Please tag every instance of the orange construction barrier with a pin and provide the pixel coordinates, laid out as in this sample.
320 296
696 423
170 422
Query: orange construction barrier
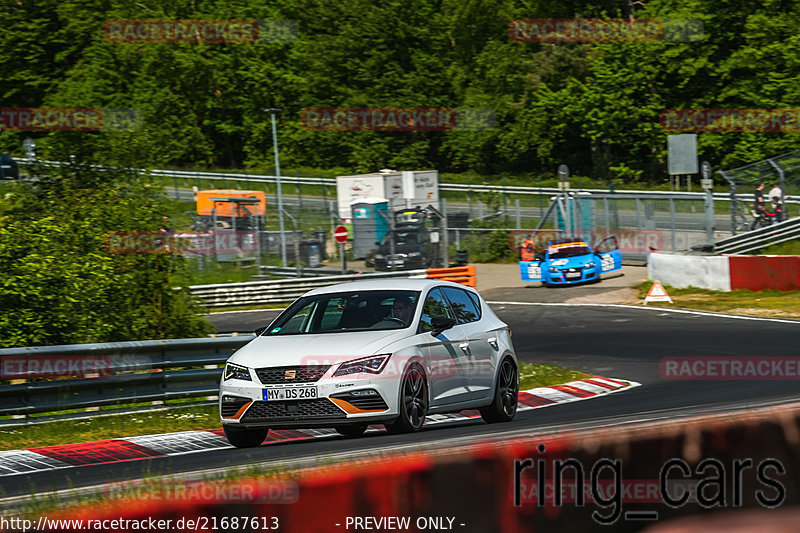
464 275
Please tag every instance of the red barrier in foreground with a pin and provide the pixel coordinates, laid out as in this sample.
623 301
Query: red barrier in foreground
758 273
628 477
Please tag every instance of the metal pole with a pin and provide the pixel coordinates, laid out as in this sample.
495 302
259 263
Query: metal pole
258 240
392 259
278 182
296 245
709 216
443 240
341 244
214 228
516 206
639 217
734 201
672 220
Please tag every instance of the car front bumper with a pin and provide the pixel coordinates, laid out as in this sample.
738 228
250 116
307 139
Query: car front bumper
357 399
563 277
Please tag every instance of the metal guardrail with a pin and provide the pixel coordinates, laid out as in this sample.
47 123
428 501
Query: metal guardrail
508 189
785 231
132 372
281 291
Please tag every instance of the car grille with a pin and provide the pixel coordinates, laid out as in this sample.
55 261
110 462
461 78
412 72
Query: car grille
262 411
302 374
370 403
232 405
365 403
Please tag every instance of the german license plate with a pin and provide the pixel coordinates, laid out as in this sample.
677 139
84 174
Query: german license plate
573 275
275 394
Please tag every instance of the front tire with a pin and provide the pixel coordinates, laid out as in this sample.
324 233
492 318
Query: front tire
506 395
351 431
413 402
243 437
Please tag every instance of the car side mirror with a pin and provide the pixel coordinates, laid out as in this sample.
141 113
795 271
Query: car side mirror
440 324
259 331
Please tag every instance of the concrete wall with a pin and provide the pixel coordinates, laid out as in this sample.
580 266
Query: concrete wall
710 272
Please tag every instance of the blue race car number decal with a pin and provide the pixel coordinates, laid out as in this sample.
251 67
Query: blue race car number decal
607 262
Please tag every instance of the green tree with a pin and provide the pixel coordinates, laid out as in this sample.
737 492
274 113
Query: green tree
58 282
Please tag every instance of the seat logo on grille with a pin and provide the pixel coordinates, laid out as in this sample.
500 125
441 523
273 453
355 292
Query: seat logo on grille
290 374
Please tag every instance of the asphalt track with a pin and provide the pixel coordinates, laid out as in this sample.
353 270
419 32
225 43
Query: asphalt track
619 342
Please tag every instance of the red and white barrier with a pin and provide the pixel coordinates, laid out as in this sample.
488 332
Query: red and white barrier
726 273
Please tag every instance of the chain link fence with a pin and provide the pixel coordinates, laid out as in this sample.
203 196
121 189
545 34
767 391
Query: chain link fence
782 170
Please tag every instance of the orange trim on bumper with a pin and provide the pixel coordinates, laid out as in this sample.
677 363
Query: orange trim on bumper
240 412
352 409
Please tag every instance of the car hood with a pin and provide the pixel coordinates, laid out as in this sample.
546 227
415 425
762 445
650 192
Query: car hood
573 262
314 349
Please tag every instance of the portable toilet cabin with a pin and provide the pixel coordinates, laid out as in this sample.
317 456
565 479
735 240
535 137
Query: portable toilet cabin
370 224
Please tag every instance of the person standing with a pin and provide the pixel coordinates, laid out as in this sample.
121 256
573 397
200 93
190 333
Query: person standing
527 251
776 214
758 197
776 192
759 212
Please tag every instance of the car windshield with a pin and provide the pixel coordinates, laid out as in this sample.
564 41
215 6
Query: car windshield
572 249
347 311
402 238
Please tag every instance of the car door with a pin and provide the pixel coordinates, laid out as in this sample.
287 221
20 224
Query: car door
530 270
481 351
608 252
444 353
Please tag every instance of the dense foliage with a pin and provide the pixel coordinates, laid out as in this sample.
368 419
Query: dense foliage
594 106
58 282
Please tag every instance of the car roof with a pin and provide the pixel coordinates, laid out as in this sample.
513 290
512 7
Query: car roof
403 284
578 242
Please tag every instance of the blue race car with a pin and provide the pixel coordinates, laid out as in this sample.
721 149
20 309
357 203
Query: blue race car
571 261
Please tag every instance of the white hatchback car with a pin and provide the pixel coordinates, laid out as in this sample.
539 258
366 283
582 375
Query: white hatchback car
369 352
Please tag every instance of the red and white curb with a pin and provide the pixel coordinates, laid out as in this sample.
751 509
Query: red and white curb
16 462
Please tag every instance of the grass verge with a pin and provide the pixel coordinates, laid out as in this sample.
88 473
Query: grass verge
201 417
740 302
532 375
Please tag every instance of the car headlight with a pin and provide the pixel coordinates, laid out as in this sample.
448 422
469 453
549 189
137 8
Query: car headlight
374 364
590 265
554 270
233 371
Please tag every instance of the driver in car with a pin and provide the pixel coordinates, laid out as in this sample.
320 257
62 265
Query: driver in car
402 309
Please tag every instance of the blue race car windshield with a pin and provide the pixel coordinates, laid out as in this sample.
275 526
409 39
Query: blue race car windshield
560 252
